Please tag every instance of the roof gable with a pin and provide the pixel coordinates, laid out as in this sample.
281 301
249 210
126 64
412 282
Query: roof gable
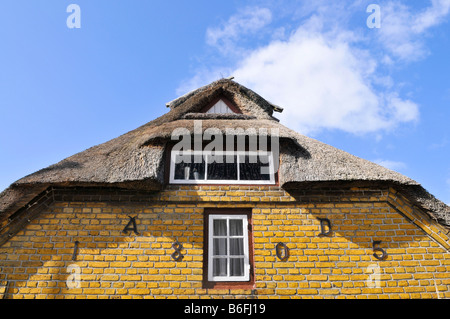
238 98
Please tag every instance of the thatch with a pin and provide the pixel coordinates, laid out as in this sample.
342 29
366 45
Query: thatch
137 158
214 116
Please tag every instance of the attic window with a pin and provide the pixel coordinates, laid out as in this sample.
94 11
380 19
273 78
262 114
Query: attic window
220 107
228 167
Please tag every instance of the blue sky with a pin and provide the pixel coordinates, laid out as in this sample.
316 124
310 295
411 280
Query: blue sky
382 94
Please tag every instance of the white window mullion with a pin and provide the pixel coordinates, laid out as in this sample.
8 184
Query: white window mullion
238 169
228 248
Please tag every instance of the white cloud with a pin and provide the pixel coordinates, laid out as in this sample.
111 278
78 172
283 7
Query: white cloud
319 72
322 82
246 22
401 110
392 165
431 16
401 31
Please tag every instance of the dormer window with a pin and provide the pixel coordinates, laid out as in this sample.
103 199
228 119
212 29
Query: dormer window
227 167
220 108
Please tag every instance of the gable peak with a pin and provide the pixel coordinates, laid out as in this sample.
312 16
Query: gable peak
235 96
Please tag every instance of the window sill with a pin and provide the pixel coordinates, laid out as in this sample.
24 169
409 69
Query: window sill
229 285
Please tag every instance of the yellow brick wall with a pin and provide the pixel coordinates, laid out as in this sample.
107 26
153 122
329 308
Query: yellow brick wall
37 261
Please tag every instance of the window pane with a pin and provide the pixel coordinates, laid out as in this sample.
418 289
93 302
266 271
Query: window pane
220 169
236 246
220 246
220 227
189 169
250 167
219 267
236 227
236 266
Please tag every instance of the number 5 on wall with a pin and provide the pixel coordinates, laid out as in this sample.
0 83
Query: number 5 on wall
376 249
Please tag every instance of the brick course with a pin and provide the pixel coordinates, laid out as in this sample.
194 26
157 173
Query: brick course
35 260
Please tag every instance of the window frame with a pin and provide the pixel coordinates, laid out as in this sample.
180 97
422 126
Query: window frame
241 284
228 256
238 154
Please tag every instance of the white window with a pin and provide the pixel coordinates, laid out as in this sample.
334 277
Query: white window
220 107
230 167
228 252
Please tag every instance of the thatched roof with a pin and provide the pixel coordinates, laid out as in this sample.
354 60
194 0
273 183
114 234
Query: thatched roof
137 158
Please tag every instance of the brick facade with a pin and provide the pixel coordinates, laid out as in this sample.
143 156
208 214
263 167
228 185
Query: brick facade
36 261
